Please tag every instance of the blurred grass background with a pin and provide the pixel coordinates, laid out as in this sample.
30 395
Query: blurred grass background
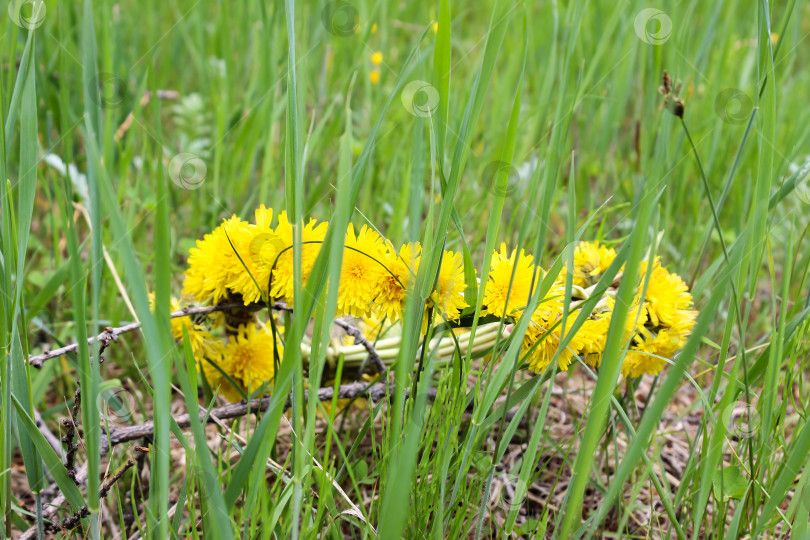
209 81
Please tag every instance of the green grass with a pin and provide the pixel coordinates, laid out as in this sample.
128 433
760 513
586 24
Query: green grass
276 103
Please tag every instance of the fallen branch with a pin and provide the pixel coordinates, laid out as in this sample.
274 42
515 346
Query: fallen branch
375 392
71 427
360 339
73 520
111 334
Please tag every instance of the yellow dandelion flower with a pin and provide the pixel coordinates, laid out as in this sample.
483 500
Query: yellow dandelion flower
376 58
361 271
393 283
448 297
542 337
667 297
374 76
648 353
204 345
213 263
590 262
594 333
312 236
596 327
263 217
257 247
651 346
501 284
250 358
177 323
210 368
213 368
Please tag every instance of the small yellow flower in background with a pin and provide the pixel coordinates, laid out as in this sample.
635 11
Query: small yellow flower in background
361 271
376 60
400 269
500 280
374 28
435 27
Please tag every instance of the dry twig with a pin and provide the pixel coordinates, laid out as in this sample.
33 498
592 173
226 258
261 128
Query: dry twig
73 520
375 392
360 339
111 334
70 425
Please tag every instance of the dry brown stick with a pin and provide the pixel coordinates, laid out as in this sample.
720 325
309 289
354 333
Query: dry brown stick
107 486
73 520
59 503
376 392
71 427
111 334
360 339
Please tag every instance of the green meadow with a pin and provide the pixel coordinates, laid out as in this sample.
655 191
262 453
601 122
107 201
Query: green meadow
670 131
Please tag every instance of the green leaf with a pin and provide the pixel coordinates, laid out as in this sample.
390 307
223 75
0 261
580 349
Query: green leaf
729 483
